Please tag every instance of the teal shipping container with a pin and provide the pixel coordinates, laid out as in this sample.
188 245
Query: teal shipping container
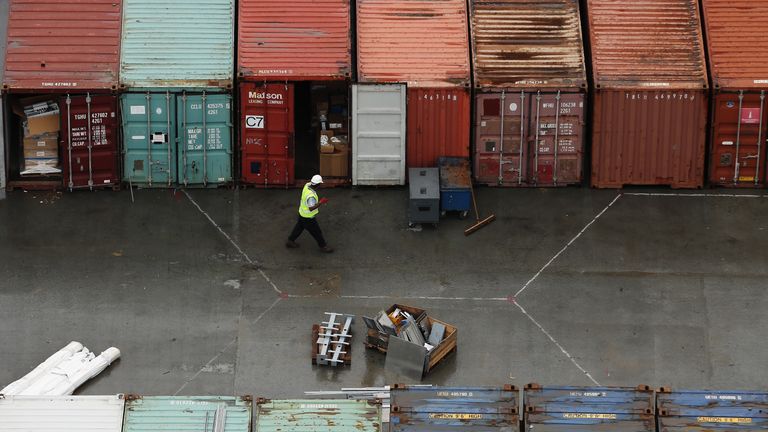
187 413
177 138
316 415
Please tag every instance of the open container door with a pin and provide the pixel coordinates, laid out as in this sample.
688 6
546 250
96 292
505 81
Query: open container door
378 134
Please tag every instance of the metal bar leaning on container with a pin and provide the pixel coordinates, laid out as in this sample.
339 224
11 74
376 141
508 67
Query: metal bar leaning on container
501 140
738 139
69 140
205 141
536 140
760 137
186 134
150 162
168 132
557 136
522 139
90 142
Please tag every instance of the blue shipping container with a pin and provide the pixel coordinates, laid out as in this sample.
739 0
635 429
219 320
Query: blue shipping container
428 408
699 410
559 409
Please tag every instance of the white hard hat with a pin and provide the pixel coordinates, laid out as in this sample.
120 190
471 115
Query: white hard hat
316 179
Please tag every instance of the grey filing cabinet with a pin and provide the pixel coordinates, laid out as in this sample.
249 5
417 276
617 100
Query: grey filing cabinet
424 201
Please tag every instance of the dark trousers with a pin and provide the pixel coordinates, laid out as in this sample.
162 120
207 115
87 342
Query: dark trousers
311 225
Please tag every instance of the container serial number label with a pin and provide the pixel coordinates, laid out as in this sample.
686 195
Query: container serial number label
589 416
455 394
455 416
724 419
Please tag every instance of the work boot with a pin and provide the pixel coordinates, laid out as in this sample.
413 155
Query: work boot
291 244
326 249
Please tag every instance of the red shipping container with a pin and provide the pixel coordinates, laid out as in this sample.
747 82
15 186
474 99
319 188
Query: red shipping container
63 45
267 134
437 125
88 141
650 95
738 58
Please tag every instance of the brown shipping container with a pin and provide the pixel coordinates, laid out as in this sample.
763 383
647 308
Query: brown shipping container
650 95
63 45
529 59
738 59
437 125
284 40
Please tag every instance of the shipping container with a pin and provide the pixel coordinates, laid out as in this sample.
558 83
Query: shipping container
190 413
701 410
431 408
51 59
317 414
738 61
650 93
174 138
529 59
294 65
3 43
424 45
61 413
564 409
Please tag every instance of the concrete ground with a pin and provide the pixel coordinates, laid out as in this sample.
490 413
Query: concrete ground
570 287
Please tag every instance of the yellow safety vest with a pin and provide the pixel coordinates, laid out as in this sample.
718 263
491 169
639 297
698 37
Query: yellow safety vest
304 205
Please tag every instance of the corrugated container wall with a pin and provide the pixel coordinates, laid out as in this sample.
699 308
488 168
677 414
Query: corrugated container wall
699 411
63 45
423 44
563 409
317 414
427 408
61 413
738 61
530 84
294 41
177 44
190 413
650 93
3 43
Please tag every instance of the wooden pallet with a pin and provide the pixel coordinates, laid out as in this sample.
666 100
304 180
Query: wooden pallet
345 358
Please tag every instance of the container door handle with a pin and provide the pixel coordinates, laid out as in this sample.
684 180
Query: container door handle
90 142
557 136
69 140
522 139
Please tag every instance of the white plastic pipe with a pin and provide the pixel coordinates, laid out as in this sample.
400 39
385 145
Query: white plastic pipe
41 370
88 370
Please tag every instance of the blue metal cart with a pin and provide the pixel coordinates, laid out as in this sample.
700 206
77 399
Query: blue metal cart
455 186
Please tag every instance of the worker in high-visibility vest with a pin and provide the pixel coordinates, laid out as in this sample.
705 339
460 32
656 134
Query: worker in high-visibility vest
308 209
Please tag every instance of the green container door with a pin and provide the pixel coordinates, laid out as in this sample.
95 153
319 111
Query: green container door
205 139
187 413
149 138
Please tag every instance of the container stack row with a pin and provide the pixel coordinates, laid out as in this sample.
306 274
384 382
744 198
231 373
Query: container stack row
535 93
413 408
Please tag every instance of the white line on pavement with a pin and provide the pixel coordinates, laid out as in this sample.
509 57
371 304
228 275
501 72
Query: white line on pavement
424 298
694 195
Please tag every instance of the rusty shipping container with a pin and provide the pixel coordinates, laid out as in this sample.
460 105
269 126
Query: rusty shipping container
59 51
651 93
738 61
530 85
423 45
294 65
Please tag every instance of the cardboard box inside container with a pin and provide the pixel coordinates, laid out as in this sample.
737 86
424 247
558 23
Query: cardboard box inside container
47 142
325 140
41 118
334 164
34 153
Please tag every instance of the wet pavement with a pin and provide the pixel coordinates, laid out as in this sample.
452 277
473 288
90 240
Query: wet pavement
572 286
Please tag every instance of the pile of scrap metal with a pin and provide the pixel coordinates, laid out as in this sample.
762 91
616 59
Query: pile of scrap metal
331 340
413 340
63 372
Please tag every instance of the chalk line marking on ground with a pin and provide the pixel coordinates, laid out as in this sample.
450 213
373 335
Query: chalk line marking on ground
694 195
223 350
239 250
554 341
567 245
406 297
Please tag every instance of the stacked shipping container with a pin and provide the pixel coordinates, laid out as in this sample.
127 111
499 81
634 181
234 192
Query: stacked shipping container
176 67
531 84
308 415
62 413
650 93
61 67
738 55
294 65
190 413
421 44
3 40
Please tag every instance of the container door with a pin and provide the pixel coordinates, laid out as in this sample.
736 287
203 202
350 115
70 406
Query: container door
378 134
558 157
205 139
2 149
149 137
88 141
501 127
267 134
738 144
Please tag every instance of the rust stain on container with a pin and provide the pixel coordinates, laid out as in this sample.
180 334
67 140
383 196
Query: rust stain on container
422 43
285 40
527 44
437 125
63 45
651 98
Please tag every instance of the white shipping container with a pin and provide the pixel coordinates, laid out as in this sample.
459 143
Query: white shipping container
61 413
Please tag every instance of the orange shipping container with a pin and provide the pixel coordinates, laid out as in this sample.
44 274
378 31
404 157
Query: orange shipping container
738 59
438 125
650 93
